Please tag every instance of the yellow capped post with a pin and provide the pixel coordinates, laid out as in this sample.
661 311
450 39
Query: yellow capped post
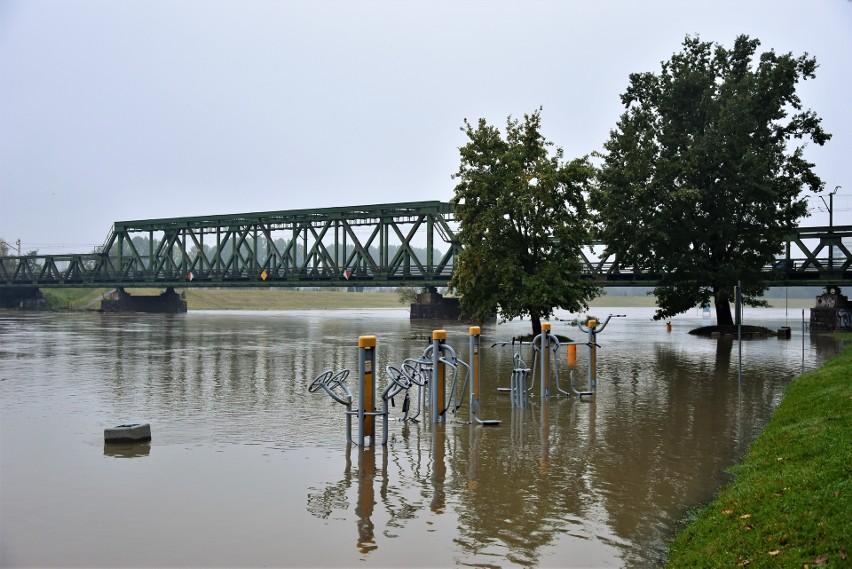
544 348
436 386
367 397
474 368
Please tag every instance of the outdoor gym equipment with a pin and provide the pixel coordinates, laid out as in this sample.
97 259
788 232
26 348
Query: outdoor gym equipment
545 343
593 328
418 370
443 357
518 389
333 384
474 383
429 370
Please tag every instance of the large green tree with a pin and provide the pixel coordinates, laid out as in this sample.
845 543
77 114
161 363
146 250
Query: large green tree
703 175
523 220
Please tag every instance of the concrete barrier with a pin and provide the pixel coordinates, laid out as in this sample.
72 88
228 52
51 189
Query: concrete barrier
133 433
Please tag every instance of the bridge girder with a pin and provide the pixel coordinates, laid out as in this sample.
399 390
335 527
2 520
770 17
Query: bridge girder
404 244
384 245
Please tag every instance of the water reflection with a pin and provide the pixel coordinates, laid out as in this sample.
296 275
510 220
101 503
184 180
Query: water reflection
558 482
127 450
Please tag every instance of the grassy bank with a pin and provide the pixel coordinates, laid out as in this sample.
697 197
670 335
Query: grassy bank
790 504
283 299
72 298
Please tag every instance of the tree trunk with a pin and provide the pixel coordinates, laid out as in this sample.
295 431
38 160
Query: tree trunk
536 324
723 312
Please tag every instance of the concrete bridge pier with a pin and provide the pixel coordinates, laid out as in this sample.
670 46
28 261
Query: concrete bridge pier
169 302
431 305
24 298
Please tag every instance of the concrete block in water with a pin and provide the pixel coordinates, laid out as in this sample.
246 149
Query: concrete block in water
134 433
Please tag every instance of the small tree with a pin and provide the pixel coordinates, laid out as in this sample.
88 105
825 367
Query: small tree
699 182
523 221
407 295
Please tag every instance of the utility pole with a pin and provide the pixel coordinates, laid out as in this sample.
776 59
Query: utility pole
830 206
17 246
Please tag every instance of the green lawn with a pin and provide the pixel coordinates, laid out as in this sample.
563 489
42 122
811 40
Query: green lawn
790 504
286 299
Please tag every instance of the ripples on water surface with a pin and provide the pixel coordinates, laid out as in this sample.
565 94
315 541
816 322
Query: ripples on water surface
246 468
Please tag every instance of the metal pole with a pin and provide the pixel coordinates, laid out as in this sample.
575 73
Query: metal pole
367 391
830 206
803 340
436 386
738 309
593 356
545 358
474 369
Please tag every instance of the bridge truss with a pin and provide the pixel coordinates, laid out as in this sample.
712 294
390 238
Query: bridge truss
387 245
377 245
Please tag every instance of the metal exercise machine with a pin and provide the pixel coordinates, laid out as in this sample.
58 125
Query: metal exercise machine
475 344
593 328
543 344
444 358
428 371
431 370
547 345
518 388
334 385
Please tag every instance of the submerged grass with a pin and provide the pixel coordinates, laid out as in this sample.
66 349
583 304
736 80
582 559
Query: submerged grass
790 504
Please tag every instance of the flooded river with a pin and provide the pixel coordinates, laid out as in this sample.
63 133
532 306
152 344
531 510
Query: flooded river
247 468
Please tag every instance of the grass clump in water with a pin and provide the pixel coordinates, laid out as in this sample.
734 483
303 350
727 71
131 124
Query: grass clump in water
790 504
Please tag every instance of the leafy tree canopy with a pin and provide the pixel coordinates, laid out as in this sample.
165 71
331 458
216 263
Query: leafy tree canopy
523 221
703 175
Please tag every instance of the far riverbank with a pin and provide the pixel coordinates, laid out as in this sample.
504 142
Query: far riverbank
322 299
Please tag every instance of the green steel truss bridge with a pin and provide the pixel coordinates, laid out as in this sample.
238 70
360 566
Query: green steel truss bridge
386 245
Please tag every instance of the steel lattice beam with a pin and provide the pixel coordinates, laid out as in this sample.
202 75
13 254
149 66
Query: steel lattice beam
402 244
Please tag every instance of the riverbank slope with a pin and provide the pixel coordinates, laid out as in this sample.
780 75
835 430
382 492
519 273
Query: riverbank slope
790 504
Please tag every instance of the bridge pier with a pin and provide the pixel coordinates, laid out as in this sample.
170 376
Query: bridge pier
832 312
169 302
431 305
23 298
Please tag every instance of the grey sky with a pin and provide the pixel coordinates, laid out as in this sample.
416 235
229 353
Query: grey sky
133 109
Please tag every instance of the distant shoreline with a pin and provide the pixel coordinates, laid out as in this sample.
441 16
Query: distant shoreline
288 299
322 299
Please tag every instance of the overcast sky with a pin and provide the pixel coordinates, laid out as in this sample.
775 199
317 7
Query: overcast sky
135 109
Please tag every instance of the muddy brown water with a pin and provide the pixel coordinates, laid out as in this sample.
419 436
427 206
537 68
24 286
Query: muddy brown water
247 468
